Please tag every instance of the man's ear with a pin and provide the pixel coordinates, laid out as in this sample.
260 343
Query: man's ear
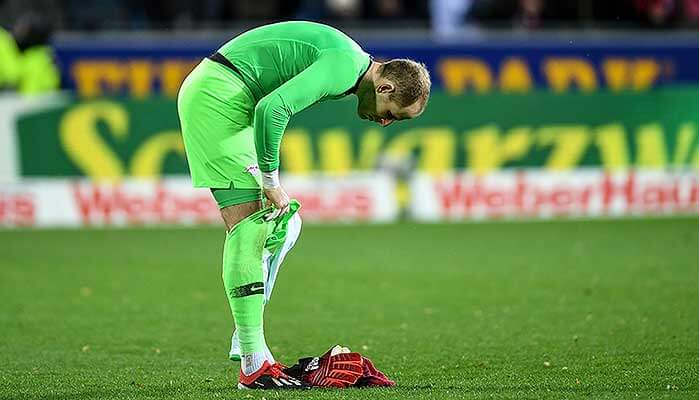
385 87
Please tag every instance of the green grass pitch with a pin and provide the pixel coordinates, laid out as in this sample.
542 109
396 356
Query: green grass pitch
559 310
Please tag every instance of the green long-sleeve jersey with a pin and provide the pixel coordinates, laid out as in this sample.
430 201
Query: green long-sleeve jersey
289 66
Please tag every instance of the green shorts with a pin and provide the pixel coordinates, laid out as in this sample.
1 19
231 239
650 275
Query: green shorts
216 113
232 197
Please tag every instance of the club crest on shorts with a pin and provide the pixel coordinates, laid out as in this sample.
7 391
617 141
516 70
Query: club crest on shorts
253 169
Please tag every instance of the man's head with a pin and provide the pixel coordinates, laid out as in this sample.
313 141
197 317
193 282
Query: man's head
397 89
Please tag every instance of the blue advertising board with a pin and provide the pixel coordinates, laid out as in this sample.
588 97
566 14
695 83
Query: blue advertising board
140 68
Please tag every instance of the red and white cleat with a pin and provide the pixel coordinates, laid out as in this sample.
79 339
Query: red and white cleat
270 377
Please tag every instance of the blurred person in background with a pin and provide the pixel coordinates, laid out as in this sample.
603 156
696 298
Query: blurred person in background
658 13
38 72
383 10
387 9
342 8
529 14
26 59
525 14
9 61
409 11
691 12
448 16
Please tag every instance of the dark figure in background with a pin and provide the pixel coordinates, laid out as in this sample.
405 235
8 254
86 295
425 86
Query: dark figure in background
529 14
658 13
525 14
39 73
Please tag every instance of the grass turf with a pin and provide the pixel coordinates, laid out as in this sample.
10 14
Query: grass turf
604 309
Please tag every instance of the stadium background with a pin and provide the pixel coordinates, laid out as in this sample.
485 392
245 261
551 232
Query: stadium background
540 110
550 118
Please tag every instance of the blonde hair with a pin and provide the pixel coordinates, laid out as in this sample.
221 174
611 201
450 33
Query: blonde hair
411 79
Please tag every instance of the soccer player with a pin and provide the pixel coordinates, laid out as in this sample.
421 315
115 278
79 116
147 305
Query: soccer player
233 109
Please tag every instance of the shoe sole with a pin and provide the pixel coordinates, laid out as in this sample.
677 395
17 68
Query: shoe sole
243 387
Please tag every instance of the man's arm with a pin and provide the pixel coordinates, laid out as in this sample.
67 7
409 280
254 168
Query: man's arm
331 74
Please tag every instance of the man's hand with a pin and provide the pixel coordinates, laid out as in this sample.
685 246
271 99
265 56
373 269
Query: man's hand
275 193
279 199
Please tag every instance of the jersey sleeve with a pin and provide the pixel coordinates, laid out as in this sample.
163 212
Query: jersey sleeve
330 75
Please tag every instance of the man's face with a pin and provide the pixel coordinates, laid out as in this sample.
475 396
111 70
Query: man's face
375 105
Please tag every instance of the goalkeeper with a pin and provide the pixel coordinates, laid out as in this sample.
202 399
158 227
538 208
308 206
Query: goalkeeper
233 109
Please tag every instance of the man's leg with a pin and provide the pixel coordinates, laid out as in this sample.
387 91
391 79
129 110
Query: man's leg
215 109
271 263
243 274
232 213
243 278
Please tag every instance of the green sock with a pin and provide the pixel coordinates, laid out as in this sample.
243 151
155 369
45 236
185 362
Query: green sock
243 279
